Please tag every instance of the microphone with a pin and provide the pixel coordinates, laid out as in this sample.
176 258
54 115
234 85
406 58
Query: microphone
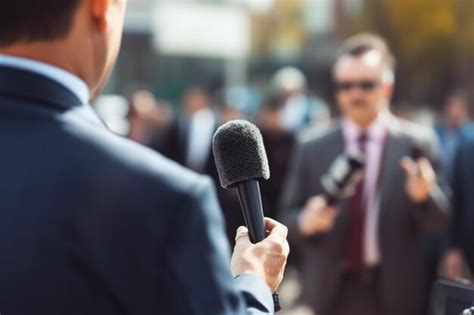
342 178
417 150
241 161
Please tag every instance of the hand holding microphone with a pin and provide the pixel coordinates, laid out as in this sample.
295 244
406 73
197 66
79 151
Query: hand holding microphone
265 259
241 161
317 216
421 178
340 181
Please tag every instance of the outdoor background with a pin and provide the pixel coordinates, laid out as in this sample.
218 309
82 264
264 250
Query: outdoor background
170 44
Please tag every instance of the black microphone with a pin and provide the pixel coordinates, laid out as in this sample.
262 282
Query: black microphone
342 178
241 161
417 150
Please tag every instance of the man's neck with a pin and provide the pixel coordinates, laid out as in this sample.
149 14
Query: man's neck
65 78
56 54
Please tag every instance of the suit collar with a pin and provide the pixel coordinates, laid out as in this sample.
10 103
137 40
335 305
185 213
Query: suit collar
60 75
33 87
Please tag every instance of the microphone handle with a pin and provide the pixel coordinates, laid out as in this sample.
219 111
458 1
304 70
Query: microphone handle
251 203
252 209
331 200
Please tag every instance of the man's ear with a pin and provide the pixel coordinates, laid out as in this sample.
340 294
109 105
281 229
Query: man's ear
99 10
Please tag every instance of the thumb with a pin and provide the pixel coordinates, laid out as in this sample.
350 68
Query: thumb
242 236
426 169
410 166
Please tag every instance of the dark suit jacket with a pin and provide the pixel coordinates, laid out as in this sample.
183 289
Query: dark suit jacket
401 222
175 146
462 229
91 223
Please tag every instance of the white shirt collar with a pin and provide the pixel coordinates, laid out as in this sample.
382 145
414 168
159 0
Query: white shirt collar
70 81
375 131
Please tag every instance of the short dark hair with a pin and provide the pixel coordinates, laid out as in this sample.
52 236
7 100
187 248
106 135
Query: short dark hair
35 20
360 44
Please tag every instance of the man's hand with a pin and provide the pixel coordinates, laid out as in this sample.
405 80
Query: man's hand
452 264
421 178
317 217
266 259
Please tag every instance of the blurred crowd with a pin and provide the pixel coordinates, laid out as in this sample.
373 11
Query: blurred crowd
409 222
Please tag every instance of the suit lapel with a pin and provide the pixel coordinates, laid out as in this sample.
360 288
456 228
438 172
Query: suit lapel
395 149
336 139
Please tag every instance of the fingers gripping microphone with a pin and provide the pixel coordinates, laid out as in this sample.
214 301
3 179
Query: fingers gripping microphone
241 161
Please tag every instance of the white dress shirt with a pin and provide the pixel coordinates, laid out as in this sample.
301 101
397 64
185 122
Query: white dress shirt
201 130
376 135
70 81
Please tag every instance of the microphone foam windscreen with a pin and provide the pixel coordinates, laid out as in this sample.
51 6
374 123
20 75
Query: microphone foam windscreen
239 153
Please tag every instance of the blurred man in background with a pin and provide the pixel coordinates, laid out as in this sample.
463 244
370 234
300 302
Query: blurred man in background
461 234
452 130
188 140
148 118
297 109
364 255
92 223
278 144
456 115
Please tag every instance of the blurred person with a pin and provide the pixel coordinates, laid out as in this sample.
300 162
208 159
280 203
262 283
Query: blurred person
278 144
228 113
188 141
451 132
90 222
458 259
364 255
243 101
298 108
147 117
456 115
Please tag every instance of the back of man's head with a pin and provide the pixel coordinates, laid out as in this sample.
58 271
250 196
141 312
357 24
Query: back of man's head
35 20
79 36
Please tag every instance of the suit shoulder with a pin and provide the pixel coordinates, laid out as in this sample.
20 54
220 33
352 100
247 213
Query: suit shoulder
126 161
415 131
318 136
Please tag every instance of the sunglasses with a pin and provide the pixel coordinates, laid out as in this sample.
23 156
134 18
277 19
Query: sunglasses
364 85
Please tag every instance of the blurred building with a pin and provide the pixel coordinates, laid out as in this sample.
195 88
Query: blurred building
169 45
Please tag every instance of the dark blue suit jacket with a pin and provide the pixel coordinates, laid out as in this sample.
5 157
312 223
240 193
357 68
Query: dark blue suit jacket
462 228
91 223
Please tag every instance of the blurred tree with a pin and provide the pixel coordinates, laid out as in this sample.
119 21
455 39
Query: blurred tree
433 41
281 32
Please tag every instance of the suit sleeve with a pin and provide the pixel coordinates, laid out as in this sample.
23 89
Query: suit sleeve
295 193
456 231
434 214
200 258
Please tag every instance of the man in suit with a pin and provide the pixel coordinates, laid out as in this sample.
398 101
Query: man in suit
91 223
451 130
460 247
364 255
188 141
